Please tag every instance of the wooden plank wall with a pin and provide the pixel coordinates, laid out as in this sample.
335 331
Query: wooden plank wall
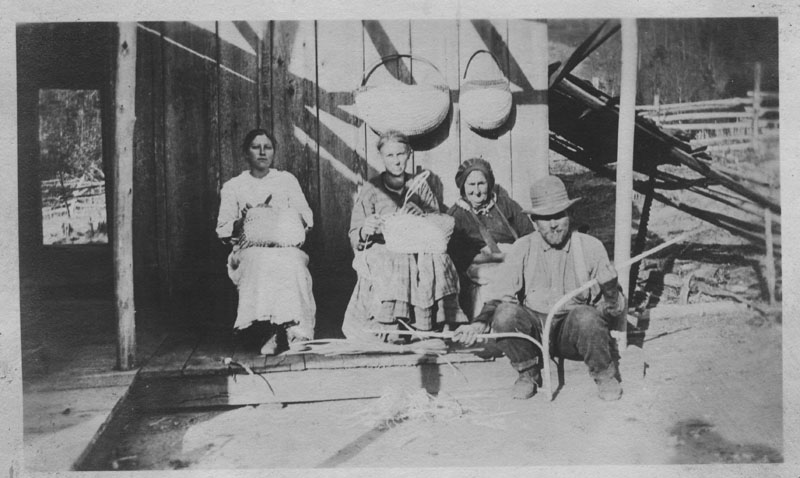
496 147
340 135
239 112
196 98
204 85
438 41
148 193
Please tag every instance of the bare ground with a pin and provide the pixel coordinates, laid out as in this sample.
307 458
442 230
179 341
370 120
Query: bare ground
699 389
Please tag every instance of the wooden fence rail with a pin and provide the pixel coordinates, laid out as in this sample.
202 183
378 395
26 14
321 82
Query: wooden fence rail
729 124
696 105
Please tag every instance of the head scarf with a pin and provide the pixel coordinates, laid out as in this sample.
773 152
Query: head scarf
474 164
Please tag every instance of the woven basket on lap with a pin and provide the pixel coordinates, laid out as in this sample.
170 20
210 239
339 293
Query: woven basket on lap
485 104
410 234
273 227
397 106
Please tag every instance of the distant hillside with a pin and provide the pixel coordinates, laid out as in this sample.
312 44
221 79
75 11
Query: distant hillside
681 59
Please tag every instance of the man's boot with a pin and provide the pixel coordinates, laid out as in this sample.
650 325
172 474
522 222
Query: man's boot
527 383
608 387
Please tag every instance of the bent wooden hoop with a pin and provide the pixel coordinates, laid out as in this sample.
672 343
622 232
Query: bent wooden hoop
544 346
547 382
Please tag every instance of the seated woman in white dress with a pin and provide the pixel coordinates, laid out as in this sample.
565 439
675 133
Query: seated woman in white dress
419 288
266 264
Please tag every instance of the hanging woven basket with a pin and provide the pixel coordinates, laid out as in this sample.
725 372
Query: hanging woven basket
409 234
485 104
397 106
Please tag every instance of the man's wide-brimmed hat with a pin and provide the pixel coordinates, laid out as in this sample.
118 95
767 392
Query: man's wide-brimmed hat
548 197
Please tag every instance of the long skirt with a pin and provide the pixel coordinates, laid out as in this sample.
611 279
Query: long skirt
421 289
274 285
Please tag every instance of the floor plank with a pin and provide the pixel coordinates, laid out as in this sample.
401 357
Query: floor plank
283 363
315 361
210 354
171 356
319 385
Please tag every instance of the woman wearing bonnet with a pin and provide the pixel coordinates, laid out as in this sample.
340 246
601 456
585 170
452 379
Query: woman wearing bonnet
486 223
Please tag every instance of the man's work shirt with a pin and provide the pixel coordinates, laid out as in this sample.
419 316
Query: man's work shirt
540 275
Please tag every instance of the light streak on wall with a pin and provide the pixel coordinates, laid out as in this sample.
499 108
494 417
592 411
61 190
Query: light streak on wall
340 167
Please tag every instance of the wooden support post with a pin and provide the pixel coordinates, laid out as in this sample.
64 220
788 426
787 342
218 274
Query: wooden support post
756 107
539 164
641 235
526 66
627 124
657 105
770 256
122 239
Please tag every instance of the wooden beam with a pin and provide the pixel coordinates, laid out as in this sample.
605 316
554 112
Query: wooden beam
122 239
756 106
530 136
703 115
677 150
540 163
696 105
770 256
641 235
316 385
714 218
708 126
625 135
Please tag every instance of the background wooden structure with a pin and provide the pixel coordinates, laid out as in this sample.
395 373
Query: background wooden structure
723 126
201 86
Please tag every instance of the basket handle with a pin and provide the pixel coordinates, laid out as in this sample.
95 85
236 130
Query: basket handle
476 54
384 59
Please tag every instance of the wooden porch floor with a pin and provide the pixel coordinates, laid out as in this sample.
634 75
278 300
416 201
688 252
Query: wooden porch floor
213 369
205 353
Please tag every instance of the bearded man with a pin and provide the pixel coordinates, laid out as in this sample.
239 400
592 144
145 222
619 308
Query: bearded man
541 268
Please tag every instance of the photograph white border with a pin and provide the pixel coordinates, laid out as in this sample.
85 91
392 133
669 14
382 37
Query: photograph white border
14 11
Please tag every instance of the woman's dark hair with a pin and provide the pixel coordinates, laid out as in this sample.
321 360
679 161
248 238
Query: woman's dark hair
395 136
253 134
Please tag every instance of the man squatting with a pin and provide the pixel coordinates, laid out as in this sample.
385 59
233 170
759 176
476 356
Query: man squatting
541 268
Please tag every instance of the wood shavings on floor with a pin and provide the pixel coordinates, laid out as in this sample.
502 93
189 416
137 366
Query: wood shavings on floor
397 406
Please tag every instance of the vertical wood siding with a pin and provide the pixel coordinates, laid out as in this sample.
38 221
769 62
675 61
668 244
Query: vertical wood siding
205 85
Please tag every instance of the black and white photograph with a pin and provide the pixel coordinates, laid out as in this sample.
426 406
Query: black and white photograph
409 240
